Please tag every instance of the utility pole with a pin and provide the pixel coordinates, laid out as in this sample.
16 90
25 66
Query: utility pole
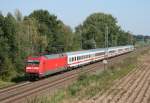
81 41
105 61
106 39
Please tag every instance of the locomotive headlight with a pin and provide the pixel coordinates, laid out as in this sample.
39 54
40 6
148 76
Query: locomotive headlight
28 68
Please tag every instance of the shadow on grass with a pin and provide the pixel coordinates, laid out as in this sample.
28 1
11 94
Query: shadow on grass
21 78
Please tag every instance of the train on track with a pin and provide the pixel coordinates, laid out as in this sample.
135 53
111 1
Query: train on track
41 66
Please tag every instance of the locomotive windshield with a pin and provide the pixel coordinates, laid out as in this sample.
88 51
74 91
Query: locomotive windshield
33 63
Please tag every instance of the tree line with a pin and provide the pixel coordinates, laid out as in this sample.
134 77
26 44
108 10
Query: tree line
40 31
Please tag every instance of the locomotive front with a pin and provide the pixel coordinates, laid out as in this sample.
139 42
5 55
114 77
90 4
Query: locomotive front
33 67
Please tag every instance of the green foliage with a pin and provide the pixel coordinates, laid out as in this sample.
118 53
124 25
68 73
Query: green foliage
9 29
57 33
93 31
8 70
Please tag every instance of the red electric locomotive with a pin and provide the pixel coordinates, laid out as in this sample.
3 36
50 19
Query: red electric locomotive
44 65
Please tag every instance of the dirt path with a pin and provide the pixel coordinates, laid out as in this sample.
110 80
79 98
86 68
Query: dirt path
133 88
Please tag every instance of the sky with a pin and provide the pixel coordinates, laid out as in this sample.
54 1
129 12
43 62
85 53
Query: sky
132 15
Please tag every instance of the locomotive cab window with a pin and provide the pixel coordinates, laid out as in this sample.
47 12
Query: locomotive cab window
33 63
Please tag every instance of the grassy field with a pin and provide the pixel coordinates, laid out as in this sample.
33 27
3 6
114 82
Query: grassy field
5 84
88 85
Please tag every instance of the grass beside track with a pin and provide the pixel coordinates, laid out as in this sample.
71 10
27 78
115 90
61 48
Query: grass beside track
5 84
88 85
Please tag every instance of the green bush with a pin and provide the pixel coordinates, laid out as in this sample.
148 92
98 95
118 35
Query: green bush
8 70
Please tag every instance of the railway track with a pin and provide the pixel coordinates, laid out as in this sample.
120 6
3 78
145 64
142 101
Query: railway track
24 90
21 92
